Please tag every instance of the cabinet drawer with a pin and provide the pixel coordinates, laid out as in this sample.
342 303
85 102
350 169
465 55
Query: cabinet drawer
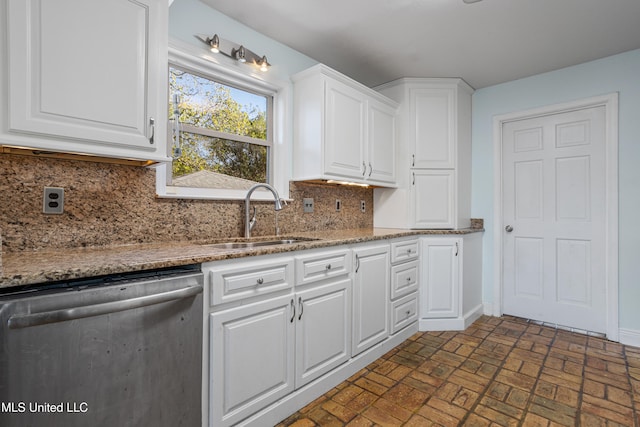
404 251
404 279
404 311
322 265
249 279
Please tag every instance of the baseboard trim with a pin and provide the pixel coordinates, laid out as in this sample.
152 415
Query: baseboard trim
629 337
454 324
291 403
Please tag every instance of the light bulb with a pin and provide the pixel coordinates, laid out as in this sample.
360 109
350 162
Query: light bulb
214 44
264 65
240 54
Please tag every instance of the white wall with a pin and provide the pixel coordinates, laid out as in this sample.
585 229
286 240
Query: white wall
619 73
190 17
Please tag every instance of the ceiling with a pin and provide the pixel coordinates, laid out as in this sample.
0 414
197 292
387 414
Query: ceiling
485 43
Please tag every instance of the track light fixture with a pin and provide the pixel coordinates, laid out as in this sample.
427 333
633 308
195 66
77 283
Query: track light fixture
235 51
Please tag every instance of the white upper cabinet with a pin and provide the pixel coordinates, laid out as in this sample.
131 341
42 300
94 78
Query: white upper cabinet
345 132
342 130
86 76
434 152
381 153
433 123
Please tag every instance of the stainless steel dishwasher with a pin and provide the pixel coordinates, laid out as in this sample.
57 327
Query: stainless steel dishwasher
115 351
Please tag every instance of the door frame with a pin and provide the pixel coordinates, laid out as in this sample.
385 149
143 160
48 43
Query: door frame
610 103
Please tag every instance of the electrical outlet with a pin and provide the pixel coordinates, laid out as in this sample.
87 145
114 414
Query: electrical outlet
363 206
338 205
53 200
307 205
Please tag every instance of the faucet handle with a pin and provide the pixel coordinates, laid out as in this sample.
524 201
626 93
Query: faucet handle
252 222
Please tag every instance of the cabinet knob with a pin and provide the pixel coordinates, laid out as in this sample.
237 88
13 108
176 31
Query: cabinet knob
408 313
409 251
508 229
327 267
408 279
260 281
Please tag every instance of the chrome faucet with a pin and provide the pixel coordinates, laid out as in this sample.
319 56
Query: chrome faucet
250 223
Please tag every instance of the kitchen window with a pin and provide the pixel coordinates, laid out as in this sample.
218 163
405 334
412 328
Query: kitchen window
221 134
226 130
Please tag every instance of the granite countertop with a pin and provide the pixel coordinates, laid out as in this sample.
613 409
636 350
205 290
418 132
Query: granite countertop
26 268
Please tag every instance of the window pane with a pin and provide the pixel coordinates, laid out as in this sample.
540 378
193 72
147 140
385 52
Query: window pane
206 103
208 162
225 158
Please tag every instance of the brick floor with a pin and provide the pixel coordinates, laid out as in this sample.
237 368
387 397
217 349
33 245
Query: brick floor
499 372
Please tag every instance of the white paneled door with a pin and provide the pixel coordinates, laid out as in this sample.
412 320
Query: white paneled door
554 218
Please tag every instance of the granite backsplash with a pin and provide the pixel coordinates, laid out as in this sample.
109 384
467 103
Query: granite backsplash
113 204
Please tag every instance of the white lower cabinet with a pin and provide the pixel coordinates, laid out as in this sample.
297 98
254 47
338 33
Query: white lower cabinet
283 329
323 329
405 256
451 285
267 337
441 277
370 296
251 358
263 351
404 311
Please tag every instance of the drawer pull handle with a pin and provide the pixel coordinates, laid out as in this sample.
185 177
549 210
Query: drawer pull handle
327 267
260 281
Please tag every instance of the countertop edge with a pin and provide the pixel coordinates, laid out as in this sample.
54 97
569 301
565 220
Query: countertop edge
29 268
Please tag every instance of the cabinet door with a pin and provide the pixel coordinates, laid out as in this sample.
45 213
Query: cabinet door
381 147
440 278
323 329
88 71
370 297
251 358
345 132
433 126
432 200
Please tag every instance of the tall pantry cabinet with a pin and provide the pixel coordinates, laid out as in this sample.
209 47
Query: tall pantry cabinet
434 156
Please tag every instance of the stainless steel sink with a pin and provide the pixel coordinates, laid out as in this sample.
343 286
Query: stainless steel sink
249 245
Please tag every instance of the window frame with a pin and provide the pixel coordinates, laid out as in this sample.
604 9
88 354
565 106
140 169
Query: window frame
228 72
